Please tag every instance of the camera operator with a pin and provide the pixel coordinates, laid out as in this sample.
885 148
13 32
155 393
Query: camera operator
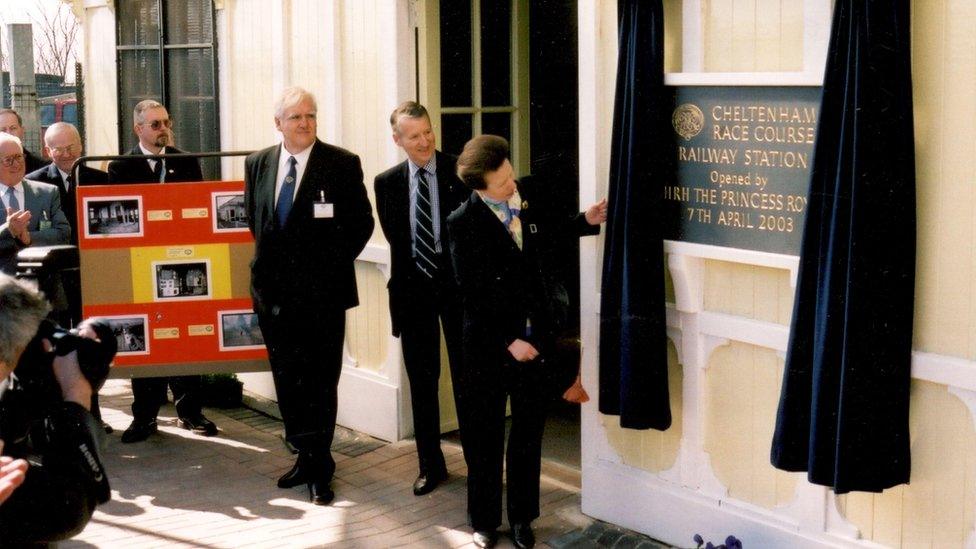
55 433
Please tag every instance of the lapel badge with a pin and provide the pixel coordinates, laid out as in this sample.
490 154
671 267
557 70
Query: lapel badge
532 228
525 204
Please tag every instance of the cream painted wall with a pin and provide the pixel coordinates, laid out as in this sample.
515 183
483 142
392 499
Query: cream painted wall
938 508
651 450
743 384
753 35
944 71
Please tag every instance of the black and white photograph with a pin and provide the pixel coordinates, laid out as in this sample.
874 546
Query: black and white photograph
239 330
130 333
115 217
181 280
229 215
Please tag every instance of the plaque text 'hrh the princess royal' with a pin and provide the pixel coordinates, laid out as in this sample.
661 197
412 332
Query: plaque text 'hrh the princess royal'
744 156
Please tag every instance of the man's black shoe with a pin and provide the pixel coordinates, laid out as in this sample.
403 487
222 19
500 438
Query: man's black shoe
108 428
199 425
485 538
139 430
522 535
426 482
296 476
319 493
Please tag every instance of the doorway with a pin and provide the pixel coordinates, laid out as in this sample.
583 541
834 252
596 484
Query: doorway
510 67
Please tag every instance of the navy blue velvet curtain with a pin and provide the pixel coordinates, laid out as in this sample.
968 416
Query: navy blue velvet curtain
633 345
843 410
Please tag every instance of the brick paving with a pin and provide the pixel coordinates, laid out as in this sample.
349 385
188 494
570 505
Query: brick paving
178 489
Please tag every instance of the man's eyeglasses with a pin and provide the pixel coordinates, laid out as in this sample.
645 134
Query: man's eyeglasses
67 149
9 161
157 125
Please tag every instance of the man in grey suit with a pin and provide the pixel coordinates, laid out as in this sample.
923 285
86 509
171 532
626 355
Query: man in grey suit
31 213
310 216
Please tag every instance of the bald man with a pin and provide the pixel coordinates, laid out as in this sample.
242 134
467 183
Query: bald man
62 143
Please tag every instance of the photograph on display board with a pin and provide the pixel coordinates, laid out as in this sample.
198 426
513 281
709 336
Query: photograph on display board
130 333
113 217
181 280
239 330
229 215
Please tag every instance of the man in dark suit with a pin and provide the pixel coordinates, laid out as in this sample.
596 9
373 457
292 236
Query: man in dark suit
62 143
310 216
10 122
413 200
513 308
30 212
151 124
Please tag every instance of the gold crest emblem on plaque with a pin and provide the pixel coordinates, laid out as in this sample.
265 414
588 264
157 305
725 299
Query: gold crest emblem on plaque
688 120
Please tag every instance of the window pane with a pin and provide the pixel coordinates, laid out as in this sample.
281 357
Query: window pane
456 130
189 22
193 104
455 53
496 53
69 113
47 115
138 80
138 22
498 123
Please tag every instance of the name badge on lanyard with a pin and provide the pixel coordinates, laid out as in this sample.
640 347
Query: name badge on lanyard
322 209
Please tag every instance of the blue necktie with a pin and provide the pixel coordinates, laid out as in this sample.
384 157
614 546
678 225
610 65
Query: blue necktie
287 196
12 199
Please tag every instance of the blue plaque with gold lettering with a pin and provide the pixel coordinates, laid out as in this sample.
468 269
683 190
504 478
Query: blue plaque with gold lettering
743 158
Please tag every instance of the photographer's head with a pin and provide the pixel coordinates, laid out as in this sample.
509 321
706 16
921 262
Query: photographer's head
22 308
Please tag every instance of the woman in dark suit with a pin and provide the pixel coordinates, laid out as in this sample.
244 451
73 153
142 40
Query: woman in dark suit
512 311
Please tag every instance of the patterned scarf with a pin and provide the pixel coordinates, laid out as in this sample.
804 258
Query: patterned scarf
508 213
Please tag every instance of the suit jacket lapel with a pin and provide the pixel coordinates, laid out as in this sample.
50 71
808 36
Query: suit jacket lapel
267 179
316 166
401 197
491 223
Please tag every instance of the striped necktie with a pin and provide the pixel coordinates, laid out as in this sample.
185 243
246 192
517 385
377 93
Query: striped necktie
424 244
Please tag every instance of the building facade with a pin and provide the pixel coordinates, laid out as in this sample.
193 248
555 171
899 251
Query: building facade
476 65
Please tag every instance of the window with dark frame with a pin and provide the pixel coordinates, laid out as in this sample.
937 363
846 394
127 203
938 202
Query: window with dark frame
166 50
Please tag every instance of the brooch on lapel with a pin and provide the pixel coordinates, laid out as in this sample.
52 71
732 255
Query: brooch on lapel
532 228
525 204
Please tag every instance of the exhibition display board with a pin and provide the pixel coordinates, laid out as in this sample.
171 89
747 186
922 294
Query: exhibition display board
168 266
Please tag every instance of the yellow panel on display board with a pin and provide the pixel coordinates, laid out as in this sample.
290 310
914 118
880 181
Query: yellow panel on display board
151 265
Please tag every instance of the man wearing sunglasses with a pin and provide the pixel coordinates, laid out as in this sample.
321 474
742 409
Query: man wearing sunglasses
151 124
30 212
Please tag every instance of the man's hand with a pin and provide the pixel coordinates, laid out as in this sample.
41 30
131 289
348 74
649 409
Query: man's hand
522 350
597 213
17 221
74 387
12 473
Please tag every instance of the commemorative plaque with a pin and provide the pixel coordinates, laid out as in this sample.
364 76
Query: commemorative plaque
744 156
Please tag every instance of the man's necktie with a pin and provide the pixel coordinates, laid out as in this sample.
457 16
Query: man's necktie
287 196
12 199
69 183
158 172
424 242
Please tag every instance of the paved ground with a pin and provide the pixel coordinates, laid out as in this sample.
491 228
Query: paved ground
181 490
